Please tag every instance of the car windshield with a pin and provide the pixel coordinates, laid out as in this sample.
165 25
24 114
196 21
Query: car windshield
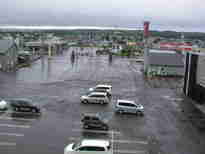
75 145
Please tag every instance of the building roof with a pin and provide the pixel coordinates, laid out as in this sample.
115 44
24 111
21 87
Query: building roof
165 58
5 45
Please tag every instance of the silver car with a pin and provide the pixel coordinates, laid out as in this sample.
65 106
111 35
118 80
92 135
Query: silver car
95 97
125 106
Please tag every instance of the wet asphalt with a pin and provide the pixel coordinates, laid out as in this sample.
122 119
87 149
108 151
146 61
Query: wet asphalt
56 84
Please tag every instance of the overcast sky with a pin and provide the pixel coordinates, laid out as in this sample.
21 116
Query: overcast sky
167 14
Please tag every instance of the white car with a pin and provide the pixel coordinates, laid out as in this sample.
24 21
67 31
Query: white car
89 146
95 97
126 106
3 105
108 88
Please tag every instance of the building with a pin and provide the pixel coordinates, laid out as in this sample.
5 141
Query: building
176 46
164 63
194 78
8 55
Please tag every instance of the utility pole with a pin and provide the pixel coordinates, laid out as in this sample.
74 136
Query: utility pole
146 47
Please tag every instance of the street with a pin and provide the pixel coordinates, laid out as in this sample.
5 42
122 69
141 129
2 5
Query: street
56 84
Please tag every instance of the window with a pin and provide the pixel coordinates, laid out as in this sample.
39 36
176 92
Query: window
86 118
82 149
89 148
95 118
123 104
100 96
131 105
93 96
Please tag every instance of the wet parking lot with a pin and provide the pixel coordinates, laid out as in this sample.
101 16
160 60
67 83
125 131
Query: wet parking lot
56 84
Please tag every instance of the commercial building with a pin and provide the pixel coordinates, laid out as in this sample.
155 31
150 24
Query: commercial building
194 79
164 63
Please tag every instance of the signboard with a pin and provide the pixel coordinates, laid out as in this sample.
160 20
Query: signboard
165 71
200 79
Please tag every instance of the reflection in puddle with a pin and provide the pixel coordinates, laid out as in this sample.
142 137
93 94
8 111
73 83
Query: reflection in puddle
110 59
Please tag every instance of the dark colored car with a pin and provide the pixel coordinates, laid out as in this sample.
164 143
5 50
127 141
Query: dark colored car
91 120
24 105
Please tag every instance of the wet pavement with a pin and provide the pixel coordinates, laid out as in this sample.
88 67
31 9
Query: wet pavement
56 84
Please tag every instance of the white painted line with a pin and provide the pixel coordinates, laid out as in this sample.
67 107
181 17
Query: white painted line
7 144
172 98
129 151
14 126
95 131
10 118
77 123
11 134
116 141
130 141
25 113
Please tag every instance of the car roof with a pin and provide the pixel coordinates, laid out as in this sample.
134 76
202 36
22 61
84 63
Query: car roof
92 142
90 114
98 93
125 101
103 85
22 99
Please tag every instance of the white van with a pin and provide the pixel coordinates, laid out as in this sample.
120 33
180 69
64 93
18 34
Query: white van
125 106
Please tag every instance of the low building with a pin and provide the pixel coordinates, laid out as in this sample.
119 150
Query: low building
164 63
194 78
8 55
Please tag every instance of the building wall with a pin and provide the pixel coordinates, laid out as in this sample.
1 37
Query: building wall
165 70
192 87
163 63
8 60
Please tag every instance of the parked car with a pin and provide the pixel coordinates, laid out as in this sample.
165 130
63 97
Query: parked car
89 146
95 97
3 105
24 105
100 90
108 88
91 120
125 106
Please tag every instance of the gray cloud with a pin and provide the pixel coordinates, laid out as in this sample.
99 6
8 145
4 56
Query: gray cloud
124 13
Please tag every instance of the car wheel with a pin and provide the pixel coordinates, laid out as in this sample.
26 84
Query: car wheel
120 111
141 114
85 101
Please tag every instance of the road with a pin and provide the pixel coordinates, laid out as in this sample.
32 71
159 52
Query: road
57 84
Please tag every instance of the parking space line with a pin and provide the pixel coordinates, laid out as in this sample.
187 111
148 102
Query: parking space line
25 113
14 126
117 141
77 123
130 152
130 141
11 134
96 131
7 144
11 118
